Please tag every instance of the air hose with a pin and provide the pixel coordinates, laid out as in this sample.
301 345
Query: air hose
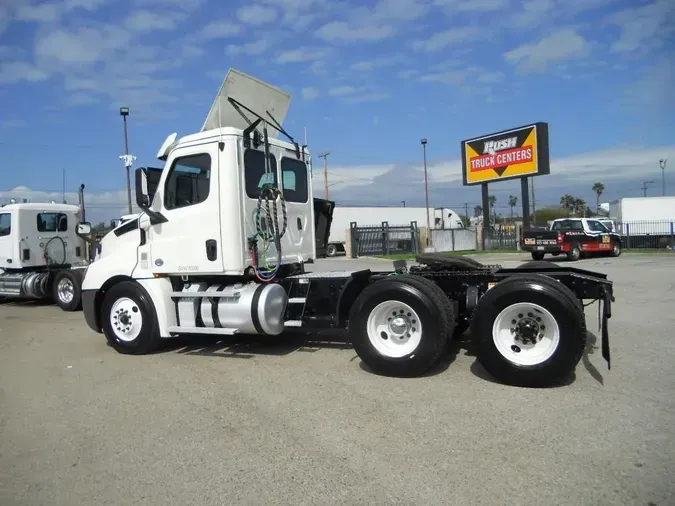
48 259
267 229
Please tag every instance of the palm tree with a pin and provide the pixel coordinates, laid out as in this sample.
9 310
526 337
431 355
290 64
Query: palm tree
599 189
579 206
492 199
513 202
477 211
567 202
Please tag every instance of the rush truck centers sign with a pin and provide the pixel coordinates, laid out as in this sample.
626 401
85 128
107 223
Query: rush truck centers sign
509 154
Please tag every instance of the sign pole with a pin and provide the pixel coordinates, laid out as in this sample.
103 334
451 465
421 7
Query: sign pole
486 213
525 199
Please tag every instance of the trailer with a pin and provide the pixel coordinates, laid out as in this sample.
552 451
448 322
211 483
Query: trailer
440 218
228 227
43 253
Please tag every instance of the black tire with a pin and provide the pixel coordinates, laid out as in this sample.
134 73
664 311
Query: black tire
445 261
431 305
137 304
331 250
616 248
537 264
538 255
67 290
574 253
565 309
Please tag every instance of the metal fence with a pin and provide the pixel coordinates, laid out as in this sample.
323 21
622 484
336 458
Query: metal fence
456 239
384 239
647 234
501 238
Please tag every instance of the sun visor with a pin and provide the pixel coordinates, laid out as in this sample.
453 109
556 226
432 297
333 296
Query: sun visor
254 94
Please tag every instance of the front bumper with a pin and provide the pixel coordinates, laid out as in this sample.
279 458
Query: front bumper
89 309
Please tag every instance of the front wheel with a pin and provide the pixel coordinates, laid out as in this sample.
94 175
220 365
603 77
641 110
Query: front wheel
616 249
129 319
400 325
529 330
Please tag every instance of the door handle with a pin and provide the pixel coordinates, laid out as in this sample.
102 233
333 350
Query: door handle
211 250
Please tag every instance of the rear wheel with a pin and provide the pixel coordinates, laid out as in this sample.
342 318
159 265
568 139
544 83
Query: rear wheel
574 253
529 330
129 319
400 325
331 250
67 290
538 255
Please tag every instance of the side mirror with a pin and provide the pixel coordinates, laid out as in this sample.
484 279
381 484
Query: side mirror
143 197
83 228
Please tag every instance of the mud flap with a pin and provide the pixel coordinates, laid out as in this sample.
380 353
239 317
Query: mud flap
606 315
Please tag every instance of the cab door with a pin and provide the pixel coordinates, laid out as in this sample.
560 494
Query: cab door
295 188
189 241
7 243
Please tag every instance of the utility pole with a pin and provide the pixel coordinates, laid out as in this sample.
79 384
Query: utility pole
128 159
325 173
63 187
645 184
662 163
426 189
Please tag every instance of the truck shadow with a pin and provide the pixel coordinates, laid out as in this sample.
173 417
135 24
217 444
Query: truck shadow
247 347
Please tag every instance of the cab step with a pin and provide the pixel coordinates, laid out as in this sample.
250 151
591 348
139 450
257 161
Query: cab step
203 330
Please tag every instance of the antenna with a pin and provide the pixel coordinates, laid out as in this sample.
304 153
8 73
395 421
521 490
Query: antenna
325 173
645 184
63 188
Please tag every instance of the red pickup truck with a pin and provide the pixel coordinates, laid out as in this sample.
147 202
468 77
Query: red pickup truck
573 237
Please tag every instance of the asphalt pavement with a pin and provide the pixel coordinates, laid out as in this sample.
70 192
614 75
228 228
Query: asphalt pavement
302 422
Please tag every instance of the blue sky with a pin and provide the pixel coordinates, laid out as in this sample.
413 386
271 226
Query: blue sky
368 79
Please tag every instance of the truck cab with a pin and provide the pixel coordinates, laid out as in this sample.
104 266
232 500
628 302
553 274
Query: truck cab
42 251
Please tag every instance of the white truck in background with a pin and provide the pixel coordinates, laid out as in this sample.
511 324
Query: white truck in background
368 216
43 252
645 222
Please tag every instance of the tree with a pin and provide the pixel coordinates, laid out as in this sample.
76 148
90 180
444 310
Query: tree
465 220
477 211
492 199
546 214
599 189
513 202
579 206
567 202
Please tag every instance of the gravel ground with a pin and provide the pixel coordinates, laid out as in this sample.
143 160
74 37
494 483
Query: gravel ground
301 422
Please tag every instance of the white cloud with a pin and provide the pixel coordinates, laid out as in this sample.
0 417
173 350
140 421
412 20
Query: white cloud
251 48
220 30
143 21
341 91
563 45
300 55
644 28
309 93
340 31
450 37
473 5
39 13
380 62
13 72
256 14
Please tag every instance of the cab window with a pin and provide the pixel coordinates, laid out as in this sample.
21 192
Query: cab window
188 182
256 176
5 224
294 180
52 222
596 226
567 225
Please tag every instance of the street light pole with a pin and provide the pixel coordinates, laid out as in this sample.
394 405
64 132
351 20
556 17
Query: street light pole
325 173
426 189
128 159
662 163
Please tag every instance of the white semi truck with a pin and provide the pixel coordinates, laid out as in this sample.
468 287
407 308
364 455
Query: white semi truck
43 252
228 226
